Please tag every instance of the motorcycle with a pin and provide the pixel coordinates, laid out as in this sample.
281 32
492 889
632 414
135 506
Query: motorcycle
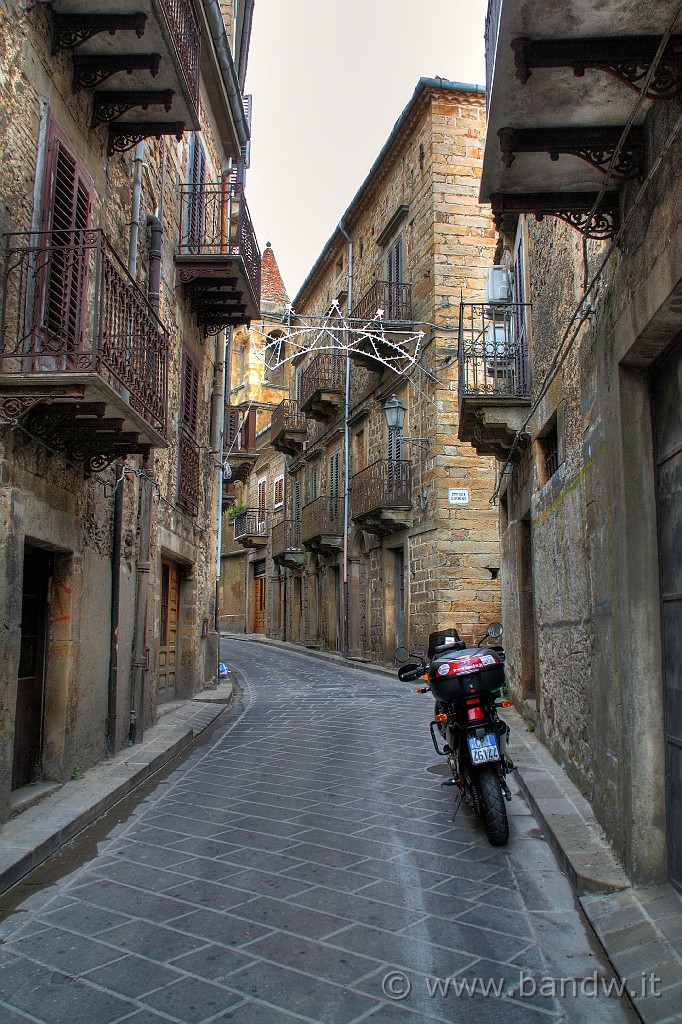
466 683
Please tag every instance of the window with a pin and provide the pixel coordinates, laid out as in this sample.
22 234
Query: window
335 474
262 499
66 213
314 483
394 277
550 447
274 355
296 501
279 491
519 323
190 393
195 212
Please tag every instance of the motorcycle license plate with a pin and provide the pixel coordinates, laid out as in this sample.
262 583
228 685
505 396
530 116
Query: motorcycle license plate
483 750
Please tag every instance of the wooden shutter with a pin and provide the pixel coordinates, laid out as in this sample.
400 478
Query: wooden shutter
394 264
190 393
279 491
519 312
359 451
67 199
196 199
262 498
296 501
314 483
335 474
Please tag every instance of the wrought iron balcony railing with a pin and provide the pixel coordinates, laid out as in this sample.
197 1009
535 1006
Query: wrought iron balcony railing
325 373
250 523
287 416
286 538
393 298
492 350
69 306
189 475
383 485
215 224
492 22
322 517
183 24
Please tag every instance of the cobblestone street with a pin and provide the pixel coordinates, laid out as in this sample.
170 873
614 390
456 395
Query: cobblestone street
302 864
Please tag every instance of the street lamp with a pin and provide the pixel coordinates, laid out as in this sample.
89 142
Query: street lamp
394 411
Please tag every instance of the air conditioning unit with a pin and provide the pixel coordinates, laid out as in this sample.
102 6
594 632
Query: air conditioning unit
497 286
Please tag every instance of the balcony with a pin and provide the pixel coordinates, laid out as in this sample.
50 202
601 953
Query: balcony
382 496
189 475
251 529
322 525
287 547
323 387
389 302
83 356
218 258
494 393
239 445
560 89
288 428
149 61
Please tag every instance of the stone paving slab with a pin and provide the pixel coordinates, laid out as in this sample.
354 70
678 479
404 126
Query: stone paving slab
34 835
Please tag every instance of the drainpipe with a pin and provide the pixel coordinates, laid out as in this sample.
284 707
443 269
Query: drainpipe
115 605
144 519
346 475
223 51
135 209
220 375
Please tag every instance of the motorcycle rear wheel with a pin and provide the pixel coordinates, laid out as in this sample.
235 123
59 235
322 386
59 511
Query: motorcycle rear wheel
494 813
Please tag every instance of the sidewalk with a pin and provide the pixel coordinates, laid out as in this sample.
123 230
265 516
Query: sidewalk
639 927
34 835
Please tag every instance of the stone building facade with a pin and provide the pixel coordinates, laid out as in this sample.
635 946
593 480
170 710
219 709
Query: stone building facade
589 439
125 242
250 582
410 561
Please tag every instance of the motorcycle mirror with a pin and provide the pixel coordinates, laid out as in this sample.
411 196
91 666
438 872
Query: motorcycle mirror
407 673
401 654
495 630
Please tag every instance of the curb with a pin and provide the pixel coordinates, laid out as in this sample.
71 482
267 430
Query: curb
28 839
328 656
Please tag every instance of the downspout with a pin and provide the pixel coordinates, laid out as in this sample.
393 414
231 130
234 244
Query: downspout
117 524
223 51
144 519
217 448
346 474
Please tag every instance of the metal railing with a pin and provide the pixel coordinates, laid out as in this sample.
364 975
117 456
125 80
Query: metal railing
393 298
322 517
325 373
189 475
215 221
286 536
183 25
250 523
492 351
385 484
287 416
492 23
69 305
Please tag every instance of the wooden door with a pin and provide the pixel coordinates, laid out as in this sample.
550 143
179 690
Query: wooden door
667 416
168 632
259 599
28 722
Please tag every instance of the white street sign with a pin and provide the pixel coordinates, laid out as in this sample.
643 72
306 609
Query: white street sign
458 496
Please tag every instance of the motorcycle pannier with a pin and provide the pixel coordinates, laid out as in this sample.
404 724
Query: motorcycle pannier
466 673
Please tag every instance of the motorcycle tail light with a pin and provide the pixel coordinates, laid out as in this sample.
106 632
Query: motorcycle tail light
467 663
475 714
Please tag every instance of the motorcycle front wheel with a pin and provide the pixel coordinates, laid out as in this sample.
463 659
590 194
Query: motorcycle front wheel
493 811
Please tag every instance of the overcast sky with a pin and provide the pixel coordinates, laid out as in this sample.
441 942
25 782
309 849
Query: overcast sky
329 80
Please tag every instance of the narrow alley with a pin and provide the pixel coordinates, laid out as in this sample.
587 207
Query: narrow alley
303 864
